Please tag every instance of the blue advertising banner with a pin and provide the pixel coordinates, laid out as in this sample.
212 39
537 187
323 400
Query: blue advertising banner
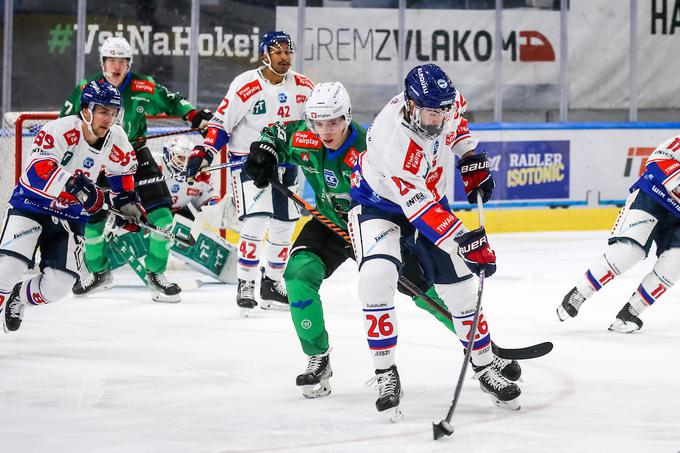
525 170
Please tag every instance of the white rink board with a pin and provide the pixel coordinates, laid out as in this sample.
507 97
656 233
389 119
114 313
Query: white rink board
117 373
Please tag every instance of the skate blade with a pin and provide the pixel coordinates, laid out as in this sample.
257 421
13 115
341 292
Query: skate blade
99 289
562 314
323 388
162 298
245 312
393 414
619 326
512 405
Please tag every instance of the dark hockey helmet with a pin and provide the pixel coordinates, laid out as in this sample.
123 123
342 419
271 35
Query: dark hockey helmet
431 90
100 92
274 38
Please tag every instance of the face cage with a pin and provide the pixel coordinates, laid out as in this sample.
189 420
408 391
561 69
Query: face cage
429 131
171 160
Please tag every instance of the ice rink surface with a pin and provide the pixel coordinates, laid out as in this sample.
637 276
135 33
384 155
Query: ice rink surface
116 372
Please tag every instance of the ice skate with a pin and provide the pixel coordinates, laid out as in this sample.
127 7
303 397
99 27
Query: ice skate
626 321
503 393
162 289
315 380
245 297
510 369
97 281
389 392
272 291
14 310
570 304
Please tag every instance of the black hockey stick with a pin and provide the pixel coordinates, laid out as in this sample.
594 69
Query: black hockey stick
444 427
529 352
183 175
189 242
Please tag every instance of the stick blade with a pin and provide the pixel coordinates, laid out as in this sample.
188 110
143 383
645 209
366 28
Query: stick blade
441 429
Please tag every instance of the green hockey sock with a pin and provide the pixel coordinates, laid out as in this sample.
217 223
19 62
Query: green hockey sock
159 246
435 297
95 247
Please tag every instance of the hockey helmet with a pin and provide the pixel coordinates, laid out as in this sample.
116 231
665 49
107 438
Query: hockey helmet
432 91
176 154
273 38
328 100
100 92
115 47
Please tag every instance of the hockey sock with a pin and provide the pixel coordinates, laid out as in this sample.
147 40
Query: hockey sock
617 259
665 274
432 292
252 233
159 246
377 287
303 276
461 298
278 246
95 247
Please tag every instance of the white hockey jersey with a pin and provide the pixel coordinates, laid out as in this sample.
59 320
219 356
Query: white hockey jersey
198 192
60 151
402 172
251 104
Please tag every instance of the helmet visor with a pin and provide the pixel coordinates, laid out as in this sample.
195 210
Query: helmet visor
431 121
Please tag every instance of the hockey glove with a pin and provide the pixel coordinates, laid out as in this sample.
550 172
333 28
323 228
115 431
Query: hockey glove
476 174
261 163
473 247
199 119
84 191
130 207
201 156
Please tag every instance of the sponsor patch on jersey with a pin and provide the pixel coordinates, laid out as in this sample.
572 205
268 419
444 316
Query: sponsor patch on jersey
413 157
450 138
306 139
72 137
88 162
248 90
144 86
303 81
304 156
433 178
45 168
351 157
439 219
330 178
116 154
193 192
259 108
174 188
282 97
300 99
668 166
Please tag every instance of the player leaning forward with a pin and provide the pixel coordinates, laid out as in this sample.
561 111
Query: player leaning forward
651 216
400 183
141 96
56 195
256 99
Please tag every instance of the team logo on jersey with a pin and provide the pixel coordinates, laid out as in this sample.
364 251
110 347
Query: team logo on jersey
303 81
174 188
282 97
304 156
72 137
259 108
300 99
143 85
330 178
306 139
248 90
88 162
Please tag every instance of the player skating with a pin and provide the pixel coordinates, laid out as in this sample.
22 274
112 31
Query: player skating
400 183
651 215
256 99
141 96
56 195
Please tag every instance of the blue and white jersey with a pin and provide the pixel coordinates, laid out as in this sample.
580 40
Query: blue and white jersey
60 151
661 179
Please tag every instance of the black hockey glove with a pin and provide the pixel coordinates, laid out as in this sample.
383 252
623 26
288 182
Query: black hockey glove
199 119
473 247
201 156
85 192
476 173
261 164
130 207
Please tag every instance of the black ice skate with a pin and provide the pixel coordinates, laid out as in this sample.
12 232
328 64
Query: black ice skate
503 393
389 392
510 369
245 297
272 291
626 321
96 281
570 304
163 290
14 310
315 380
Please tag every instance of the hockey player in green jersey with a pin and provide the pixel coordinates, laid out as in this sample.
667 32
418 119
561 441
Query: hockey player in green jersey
141 96
325 146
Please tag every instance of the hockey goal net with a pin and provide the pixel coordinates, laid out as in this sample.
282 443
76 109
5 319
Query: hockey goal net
20 128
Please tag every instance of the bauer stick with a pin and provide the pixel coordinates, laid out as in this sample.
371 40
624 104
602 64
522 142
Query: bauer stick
444 427
183 175
167 134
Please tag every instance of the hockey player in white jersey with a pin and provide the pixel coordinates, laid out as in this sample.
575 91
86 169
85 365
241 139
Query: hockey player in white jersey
400 184
255 99
651 215
56 195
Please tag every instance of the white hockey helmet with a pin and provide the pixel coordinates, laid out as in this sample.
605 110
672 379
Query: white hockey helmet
176 154
115 47
328 100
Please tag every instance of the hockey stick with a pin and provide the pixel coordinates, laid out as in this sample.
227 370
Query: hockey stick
528 352
183 175
444 427
167 134
153 228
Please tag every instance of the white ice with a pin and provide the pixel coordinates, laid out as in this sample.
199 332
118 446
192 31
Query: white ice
116 372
